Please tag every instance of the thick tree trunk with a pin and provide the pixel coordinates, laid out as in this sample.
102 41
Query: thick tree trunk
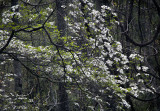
18 81
17 65
63 96
60 17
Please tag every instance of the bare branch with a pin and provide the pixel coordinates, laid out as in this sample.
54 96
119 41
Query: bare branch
158 8
141 44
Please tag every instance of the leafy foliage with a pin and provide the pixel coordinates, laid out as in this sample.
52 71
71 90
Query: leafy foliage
91 62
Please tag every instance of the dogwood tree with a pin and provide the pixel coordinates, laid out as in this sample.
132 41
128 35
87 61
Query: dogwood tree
97 73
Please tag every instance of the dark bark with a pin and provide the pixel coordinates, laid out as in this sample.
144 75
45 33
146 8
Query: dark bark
18 76
128 98
60 17
140 44
139 22
63 96
14 2
157 6
17 65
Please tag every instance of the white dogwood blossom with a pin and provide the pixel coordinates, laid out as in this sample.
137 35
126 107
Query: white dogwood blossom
89 57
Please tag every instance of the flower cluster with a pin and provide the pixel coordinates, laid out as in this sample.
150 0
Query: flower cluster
7 16
109 65
90 57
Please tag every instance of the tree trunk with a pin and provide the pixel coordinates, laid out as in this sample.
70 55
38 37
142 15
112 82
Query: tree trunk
17 65
63 96
18 81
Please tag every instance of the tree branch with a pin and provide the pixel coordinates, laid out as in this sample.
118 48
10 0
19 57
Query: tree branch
143 100
141 44
158 8
9 40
